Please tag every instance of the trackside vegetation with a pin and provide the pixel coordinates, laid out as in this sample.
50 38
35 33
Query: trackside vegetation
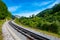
1 23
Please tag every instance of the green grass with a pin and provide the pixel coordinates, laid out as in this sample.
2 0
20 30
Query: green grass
38 30
1 23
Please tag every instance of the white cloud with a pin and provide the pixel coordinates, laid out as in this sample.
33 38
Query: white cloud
41 4
51 5
27 14
45 3
13 8
56 2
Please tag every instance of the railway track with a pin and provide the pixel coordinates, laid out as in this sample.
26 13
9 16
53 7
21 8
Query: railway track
27 33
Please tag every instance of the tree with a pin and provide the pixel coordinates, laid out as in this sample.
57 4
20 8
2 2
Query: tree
4 11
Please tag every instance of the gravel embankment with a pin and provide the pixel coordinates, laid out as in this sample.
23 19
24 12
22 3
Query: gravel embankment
6 34
11 34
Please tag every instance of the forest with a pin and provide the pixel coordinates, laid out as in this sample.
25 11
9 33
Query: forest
47 20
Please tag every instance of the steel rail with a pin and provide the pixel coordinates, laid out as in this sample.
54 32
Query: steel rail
27 33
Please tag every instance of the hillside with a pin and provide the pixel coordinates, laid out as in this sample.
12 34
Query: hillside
51 14
47 20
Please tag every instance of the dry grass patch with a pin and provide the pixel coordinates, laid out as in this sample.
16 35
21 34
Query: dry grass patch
1 23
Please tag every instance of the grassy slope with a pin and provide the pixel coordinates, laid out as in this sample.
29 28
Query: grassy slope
1 23
38 30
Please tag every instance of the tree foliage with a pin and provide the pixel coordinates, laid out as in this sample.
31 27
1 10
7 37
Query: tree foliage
4 11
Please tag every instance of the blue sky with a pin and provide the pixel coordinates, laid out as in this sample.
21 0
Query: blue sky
28 7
